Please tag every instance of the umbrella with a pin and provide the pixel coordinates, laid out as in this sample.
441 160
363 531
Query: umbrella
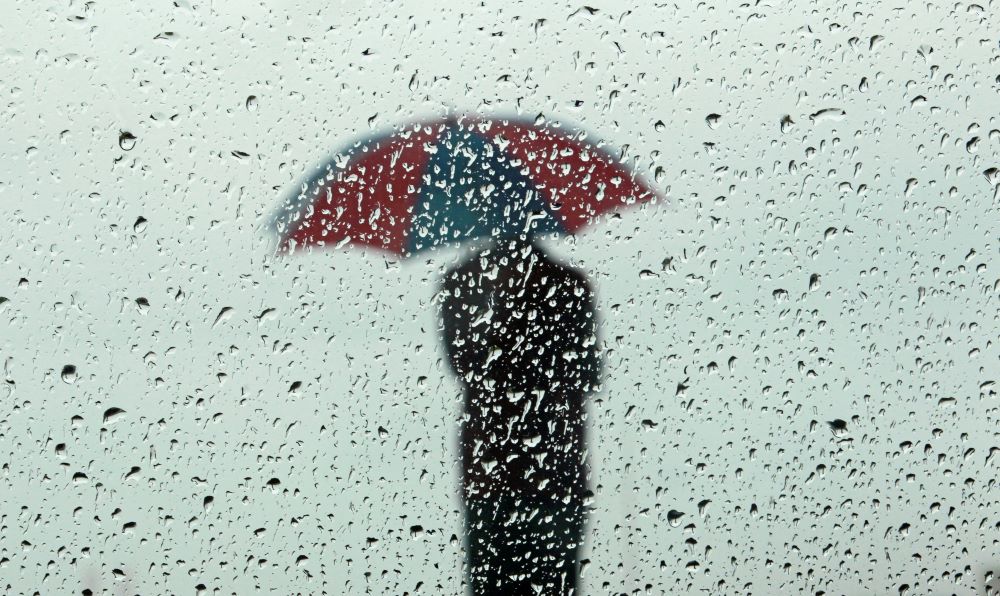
455 179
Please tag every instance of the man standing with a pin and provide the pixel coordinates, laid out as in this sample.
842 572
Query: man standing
520 333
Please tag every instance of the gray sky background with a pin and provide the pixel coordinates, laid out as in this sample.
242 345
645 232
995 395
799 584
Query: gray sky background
724 363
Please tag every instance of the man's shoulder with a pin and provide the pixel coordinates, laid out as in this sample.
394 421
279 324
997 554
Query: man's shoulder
463 269
555 270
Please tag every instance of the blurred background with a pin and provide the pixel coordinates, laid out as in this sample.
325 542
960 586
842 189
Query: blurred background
800 350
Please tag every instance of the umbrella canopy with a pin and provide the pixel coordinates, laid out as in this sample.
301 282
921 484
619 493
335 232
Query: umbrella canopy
456 179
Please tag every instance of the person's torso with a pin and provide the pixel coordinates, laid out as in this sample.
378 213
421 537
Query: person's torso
523 429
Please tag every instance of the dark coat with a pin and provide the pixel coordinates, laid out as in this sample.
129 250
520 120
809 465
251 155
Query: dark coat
522 338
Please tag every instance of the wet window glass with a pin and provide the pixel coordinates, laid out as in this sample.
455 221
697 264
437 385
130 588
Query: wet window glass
499 298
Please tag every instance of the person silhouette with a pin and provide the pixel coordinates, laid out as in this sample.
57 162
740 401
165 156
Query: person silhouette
520 333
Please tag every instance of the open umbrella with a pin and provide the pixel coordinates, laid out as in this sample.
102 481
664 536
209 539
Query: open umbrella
455 179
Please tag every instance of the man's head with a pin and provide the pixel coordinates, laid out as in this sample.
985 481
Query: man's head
512 250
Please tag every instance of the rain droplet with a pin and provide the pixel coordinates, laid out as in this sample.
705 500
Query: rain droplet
69 374
139 225
787 123
832 114
223 315
838 427
252 103
112 415
126 141
674 517
713 120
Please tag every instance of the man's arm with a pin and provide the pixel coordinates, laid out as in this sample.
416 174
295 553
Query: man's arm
450 311
577 359
591 366
461 304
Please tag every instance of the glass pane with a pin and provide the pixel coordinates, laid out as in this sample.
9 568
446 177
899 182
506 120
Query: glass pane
435 298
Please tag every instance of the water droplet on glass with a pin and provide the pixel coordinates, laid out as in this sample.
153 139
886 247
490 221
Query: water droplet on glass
787 123
112 415
827 114
838 427
674 517
126 141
